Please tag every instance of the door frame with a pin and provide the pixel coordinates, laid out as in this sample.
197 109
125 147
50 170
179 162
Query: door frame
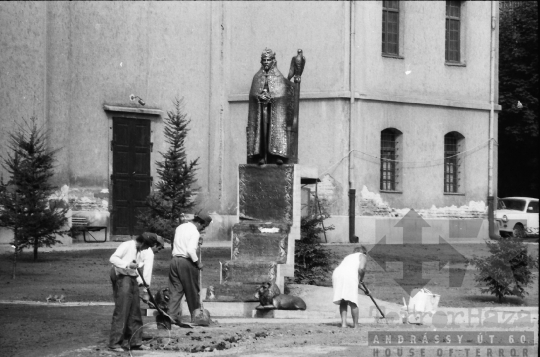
154 116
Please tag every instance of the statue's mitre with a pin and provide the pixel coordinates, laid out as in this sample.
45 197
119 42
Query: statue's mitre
268 53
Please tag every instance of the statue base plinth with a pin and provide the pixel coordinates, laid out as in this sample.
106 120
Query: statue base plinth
269 208
260 241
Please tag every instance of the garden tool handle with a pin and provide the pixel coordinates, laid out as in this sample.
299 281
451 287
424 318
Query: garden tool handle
200 279
365 288
142 278
372 299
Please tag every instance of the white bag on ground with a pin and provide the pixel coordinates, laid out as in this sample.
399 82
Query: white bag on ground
423 300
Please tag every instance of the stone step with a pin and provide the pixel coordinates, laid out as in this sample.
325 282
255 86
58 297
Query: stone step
259 241
316 315
216 308
292 314
235 292
248 271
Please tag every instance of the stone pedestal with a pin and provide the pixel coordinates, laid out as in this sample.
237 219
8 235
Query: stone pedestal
269 205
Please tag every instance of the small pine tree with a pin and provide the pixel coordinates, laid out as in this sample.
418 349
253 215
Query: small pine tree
173 196
507 270
26 208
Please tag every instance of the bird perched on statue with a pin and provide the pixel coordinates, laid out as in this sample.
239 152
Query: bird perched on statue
61 298
49 298
297 66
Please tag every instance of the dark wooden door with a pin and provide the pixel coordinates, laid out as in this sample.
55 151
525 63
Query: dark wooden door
131 178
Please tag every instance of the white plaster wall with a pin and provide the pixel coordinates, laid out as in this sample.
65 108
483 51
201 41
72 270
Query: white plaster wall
423 41
63 61
22 66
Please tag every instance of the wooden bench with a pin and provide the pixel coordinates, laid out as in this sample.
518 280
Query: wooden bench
80 224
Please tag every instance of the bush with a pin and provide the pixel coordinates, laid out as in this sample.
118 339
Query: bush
507 271
312 262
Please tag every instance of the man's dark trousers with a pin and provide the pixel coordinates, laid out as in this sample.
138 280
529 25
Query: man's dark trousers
183 280
126 324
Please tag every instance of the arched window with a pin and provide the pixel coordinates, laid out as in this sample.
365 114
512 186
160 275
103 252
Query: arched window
452 161
390 147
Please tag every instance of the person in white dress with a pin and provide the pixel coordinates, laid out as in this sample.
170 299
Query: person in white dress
346 281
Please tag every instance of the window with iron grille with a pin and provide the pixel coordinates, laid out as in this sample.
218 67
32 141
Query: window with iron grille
451 163
390 28
388 160
453 23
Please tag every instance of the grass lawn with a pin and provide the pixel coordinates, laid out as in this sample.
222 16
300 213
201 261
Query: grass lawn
83 275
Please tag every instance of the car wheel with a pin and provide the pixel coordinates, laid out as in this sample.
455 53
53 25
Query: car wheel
519 231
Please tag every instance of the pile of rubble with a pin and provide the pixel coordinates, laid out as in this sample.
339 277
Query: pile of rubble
372 204
83 199
472 210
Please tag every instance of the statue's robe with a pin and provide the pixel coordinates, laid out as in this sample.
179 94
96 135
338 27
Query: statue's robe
280 115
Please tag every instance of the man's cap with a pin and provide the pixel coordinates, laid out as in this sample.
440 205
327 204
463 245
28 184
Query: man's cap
153 239
204 218
160 241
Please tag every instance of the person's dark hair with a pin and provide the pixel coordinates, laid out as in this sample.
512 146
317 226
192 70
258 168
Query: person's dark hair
152 239
197 219
141 239
202 219
360 249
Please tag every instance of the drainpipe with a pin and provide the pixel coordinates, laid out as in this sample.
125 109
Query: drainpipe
492 202
352 191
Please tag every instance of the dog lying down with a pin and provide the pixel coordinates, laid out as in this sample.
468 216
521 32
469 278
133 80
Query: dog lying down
270 297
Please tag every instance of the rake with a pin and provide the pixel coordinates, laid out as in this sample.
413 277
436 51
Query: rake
372 299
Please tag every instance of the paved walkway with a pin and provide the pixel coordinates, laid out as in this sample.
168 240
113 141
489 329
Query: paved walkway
106 245
207 244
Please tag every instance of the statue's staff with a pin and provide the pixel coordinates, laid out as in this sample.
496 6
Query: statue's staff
265 99
297 67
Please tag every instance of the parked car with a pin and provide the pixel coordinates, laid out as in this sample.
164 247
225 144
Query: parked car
517 216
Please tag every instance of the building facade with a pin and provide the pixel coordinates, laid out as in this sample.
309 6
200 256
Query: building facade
395 99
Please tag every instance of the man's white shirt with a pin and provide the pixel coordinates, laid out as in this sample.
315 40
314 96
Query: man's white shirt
126 253
186 241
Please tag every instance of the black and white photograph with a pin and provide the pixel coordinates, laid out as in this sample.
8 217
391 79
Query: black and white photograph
269 178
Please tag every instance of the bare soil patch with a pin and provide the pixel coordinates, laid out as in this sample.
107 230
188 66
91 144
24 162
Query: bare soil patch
33 331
